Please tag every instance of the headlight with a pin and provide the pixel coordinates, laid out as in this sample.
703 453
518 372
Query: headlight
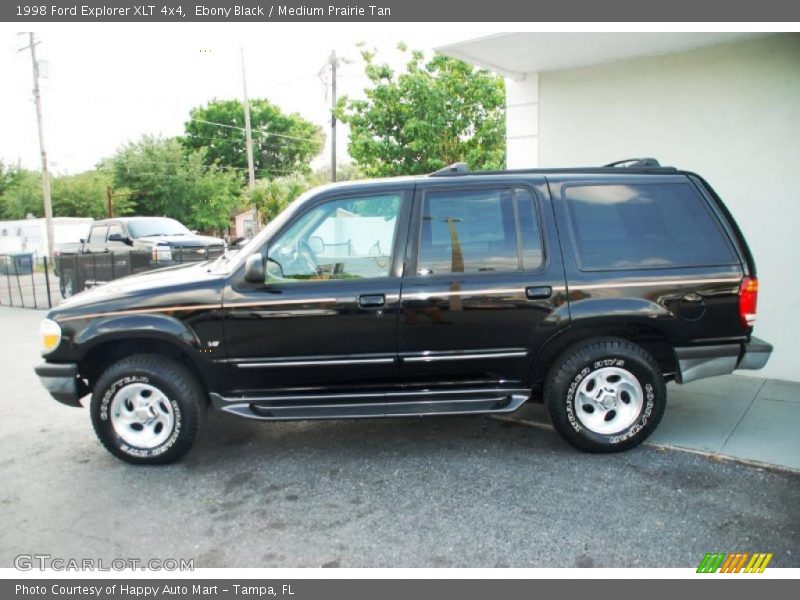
162 253
50 333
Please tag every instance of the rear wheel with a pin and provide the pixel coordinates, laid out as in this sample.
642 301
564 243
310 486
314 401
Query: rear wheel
605 395
147 409
66 283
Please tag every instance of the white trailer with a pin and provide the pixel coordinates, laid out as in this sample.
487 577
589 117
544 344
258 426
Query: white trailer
30 235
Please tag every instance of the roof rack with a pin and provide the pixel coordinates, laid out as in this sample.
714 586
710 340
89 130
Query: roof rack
458 168
635 163
630 165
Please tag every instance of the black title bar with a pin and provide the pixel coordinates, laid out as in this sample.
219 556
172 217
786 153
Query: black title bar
256 11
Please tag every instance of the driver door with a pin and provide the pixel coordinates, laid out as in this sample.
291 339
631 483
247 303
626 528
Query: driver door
325 318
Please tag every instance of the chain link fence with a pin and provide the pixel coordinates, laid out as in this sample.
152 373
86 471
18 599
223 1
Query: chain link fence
27 281
39 282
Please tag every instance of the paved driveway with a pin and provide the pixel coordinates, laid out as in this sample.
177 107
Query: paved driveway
474 491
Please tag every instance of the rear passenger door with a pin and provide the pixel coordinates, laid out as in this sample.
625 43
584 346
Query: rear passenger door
483 285
652 250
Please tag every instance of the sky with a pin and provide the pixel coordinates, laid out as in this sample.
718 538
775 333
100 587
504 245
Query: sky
108 84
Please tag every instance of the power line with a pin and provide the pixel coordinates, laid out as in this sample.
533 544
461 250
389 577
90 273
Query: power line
207 167
255 131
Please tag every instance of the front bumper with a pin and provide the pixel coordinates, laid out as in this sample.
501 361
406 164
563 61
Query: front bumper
61 380
697 362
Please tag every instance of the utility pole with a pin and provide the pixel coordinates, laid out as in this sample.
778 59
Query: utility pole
251 174
110 196
333 62
48 205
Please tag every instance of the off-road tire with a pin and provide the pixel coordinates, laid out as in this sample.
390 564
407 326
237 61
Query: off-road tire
187 405
589 357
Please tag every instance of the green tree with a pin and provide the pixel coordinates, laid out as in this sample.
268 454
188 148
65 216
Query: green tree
84 195
21 194
171 181
345 172
436 113
79 195
282 143
6 177
271 196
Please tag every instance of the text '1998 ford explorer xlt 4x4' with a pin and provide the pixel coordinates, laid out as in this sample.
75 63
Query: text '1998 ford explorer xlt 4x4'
449 294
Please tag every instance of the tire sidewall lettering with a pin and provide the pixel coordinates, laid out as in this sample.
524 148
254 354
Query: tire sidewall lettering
638 426
104 416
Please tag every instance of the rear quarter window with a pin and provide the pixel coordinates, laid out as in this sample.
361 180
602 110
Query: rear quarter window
643 226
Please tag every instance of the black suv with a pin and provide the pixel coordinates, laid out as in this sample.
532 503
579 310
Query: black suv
450 294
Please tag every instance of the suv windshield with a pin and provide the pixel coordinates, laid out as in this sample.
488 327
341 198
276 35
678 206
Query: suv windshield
157 226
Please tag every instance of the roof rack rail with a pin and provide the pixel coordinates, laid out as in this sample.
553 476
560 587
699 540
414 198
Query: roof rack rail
458 168
634 162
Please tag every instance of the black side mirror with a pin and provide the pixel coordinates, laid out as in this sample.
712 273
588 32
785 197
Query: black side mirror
254 268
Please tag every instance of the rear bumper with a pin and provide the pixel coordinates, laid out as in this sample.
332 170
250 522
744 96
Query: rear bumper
61 380
697 362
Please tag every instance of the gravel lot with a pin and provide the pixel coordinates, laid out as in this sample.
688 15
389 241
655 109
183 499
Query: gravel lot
445 492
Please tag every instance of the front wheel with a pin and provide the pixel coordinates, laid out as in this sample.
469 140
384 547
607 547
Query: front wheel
605 395
147 409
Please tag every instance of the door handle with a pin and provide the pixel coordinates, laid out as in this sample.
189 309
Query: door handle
538 292
371 300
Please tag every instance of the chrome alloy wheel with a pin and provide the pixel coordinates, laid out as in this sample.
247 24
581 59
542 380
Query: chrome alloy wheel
609 400
142 415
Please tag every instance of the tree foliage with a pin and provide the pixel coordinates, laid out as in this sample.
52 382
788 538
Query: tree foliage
271 196
437 112
281 143
21 194
79 195
85 195
168 180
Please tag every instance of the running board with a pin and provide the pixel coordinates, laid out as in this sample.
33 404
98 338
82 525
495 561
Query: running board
372 405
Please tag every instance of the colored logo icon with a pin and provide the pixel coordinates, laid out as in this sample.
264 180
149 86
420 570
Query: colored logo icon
737 562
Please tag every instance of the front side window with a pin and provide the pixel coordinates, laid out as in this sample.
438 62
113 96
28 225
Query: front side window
481 230
348 238
644 226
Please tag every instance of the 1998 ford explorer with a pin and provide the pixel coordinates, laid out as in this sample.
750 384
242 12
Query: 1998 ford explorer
449 294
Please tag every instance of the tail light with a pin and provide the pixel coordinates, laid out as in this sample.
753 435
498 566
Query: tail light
748 299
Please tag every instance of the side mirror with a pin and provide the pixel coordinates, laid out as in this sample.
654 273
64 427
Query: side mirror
118 237
254 268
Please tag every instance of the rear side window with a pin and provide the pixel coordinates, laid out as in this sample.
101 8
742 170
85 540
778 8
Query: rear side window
115 230
644 226
479 230
98 235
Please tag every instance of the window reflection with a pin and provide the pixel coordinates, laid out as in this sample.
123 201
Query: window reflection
471 231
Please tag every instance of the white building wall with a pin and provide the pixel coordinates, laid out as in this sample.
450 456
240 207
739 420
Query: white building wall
729 112
522 122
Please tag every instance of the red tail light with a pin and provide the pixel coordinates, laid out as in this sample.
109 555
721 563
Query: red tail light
748 299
